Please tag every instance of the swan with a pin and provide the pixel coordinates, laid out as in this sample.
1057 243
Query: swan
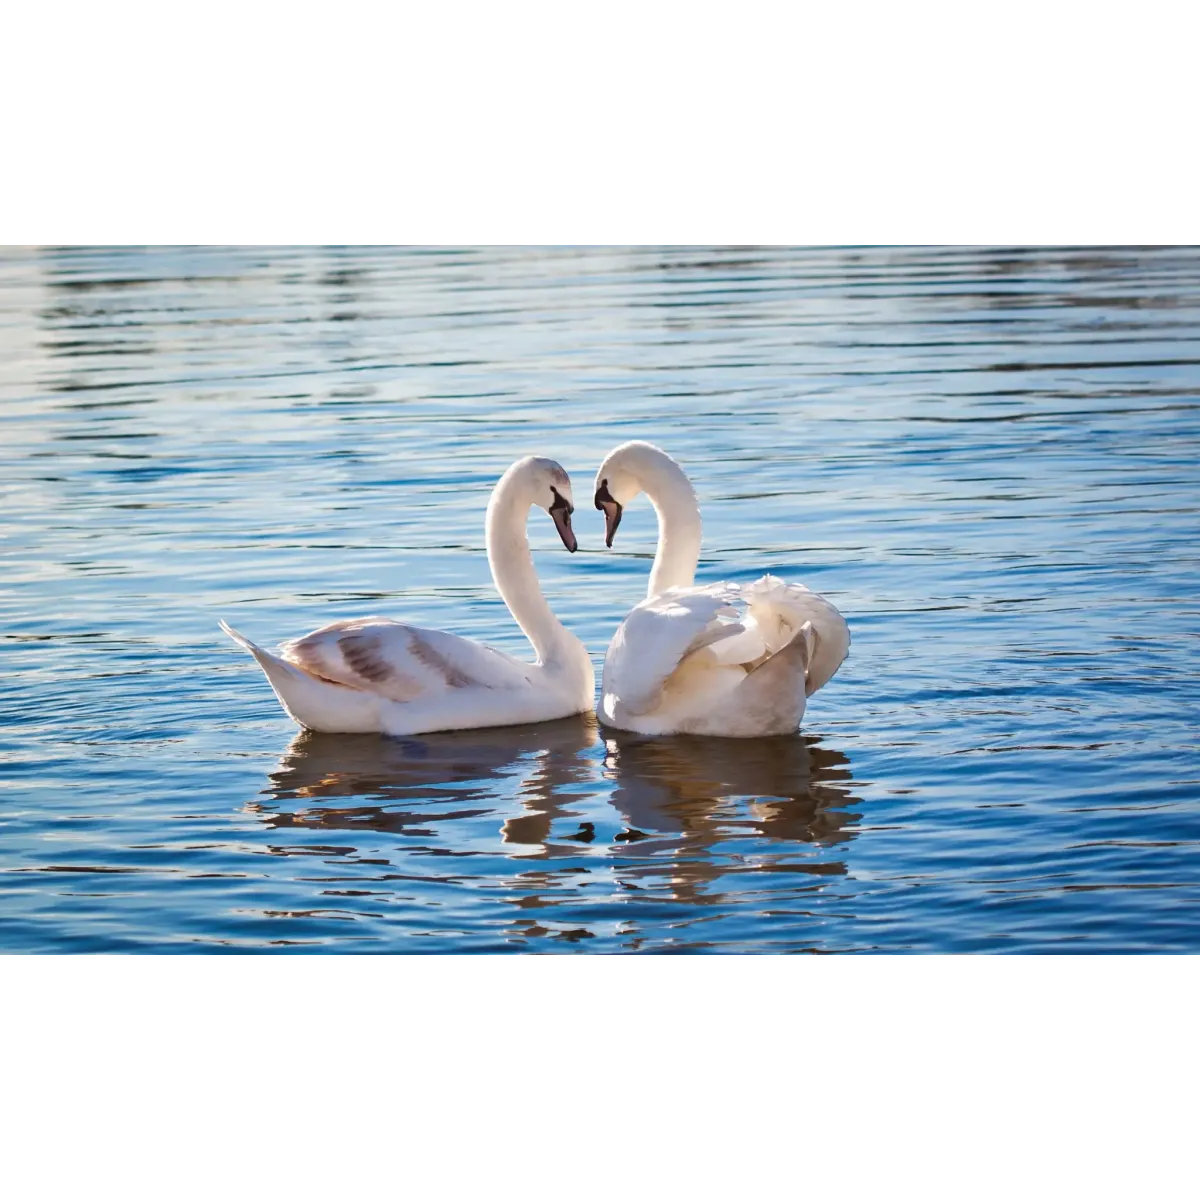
376 675
724 659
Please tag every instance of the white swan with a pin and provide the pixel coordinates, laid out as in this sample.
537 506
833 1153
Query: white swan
726 660
376 675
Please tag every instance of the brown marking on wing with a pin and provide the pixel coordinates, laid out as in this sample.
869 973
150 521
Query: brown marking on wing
436 661
354 661
361 654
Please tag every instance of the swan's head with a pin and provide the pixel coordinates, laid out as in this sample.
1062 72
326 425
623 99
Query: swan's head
622 476
548 486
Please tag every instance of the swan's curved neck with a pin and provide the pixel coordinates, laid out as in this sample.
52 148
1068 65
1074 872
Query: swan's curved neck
679 530
515 577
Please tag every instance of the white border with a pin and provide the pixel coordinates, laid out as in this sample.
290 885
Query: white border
652 1076
628 122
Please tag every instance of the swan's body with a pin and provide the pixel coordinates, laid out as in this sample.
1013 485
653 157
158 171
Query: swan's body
725 660
376 675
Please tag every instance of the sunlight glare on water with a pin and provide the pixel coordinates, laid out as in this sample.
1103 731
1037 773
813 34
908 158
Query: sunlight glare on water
985 458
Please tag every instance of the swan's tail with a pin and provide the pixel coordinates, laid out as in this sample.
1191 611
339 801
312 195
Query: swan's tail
278 672
309 701
290 683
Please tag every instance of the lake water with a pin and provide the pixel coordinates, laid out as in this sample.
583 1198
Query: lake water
986 458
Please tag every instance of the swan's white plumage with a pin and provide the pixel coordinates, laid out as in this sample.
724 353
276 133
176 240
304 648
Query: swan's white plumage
725 659
658 635
378 675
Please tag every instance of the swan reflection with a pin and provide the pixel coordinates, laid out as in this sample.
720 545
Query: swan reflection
598 817
403 785
682 797
796 788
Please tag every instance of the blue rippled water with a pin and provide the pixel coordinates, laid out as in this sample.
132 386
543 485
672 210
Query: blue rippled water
986 458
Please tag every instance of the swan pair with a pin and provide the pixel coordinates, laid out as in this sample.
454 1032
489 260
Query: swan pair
723 660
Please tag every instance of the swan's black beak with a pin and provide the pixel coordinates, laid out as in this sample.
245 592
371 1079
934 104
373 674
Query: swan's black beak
560 513
612 512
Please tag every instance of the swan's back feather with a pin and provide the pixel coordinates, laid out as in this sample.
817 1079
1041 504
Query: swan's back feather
400 662
660 633
780 609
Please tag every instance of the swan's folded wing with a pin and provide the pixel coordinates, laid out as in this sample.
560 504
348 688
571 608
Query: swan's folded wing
401 662
661 632
780 610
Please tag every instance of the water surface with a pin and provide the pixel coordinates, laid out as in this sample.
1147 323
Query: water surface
985 458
